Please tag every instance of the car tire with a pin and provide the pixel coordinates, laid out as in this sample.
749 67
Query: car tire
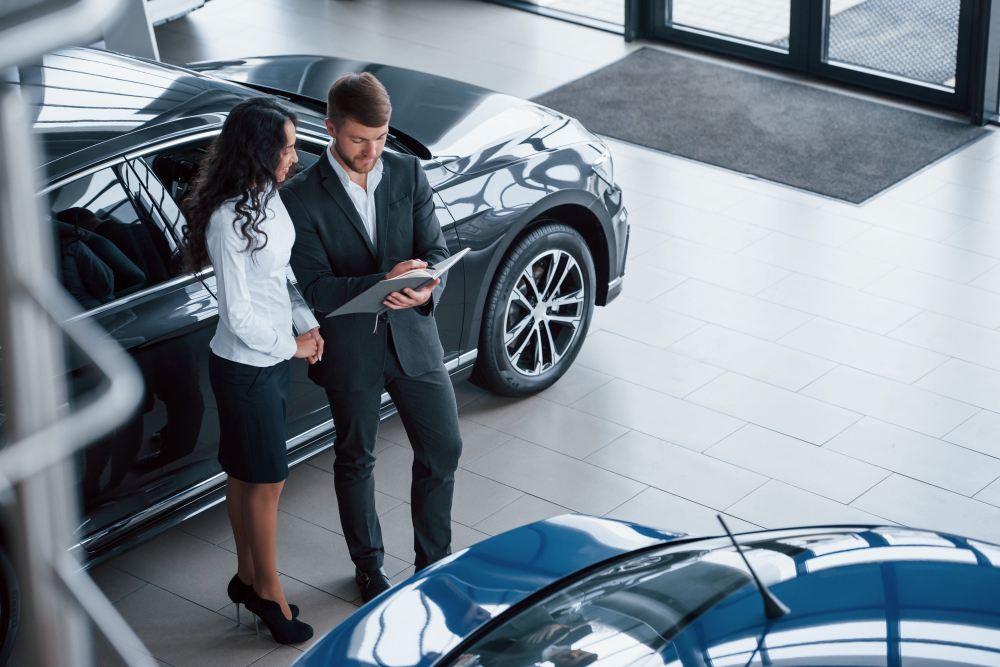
525 347
10 607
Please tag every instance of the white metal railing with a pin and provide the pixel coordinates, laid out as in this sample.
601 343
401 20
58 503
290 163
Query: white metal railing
40 508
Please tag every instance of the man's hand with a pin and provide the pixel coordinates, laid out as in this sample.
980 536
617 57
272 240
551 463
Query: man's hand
546 634
409 298
403 267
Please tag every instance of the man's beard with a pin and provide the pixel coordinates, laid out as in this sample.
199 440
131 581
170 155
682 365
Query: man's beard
356 166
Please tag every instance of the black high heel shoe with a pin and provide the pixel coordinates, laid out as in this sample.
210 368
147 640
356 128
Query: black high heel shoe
241 593
283 630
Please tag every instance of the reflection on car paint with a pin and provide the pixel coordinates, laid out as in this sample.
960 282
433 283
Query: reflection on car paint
684 604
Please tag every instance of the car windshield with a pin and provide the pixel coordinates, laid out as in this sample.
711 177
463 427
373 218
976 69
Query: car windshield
624 612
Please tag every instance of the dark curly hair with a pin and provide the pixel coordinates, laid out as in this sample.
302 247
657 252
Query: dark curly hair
240 164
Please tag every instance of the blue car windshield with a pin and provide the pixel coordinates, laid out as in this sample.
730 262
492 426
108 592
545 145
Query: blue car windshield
622 614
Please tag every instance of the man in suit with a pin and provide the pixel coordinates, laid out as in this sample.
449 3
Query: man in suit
361 216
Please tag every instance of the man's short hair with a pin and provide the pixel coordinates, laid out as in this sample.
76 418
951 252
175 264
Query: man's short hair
360 97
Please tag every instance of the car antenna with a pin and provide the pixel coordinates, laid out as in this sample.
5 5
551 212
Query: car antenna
773 607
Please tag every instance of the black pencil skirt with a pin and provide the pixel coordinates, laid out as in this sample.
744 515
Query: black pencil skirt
252 403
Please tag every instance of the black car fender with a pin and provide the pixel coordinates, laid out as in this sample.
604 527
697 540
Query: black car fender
579 209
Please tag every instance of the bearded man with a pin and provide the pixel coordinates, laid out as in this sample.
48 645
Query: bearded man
362 216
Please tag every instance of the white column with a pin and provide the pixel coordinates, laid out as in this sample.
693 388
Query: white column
133 33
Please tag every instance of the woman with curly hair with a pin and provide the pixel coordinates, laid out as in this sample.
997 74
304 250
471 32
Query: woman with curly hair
237 223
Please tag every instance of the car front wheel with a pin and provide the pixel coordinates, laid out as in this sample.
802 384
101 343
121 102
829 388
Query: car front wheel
537 313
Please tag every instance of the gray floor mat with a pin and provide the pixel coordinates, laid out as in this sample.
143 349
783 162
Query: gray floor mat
836 145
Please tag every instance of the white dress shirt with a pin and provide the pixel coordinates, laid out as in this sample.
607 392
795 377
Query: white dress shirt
258 302
363 201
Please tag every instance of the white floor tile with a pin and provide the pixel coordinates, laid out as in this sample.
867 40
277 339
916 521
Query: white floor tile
914 189
906 217
818 260
778 505
863 350
642 239
576 383
840 304
526 509
644 282
952 337
643 322
964 201
916 504
647 366
732 310
965 382
658 415
989 281
667 512
991 494
544 423
798 463
692 224
980 433
477 497
796 219
682 187
940 296
712 266
979 237
890 401
753 357
918 456
677 470
921 255
555 477
774 408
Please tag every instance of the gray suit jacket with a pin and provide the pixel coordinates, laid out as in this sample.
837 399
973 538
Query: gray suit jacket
334 260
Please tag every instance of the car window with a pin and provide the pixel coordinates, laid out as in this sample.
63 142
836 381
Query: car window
109 245
625 613
153 198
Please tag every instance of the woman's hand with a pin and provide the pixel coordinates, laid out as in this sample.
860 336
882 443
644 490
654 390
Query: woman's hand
306 347
314 332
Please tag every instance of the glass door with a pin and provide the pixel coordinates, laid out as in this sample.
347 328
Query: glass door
918 49
760 30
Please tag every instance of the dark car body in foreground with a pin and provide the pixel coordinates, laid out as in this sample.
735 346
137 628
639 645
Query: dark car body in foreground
121 140
622 594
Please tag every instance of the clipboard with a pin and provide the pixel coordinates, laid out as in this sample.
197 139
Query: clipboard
370 301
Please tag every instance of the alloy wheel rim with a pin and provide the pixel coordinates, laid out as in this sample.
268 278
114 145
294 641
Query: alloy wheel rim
544 313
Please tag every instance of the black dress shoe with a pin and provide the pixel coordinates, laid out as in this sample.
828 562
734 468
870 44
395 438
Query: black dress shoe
371 583
241 593
283 630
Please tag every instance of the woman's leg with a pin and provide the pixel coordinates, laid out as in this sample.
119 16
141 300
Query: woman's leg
260 517
235 490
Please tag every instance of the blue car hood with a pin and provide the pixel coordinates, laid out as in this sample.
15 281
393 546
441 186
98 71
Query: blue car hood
424 617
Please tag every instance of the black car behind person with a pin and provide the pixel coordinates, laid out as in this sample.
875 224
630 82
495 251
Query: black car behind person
529 191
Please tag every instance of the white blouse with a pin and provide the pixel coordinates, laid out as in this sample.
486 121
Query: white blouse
258 302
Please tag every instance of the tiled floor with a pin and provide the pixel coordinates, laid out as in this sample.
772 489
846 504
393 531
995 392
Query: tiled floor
776 356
